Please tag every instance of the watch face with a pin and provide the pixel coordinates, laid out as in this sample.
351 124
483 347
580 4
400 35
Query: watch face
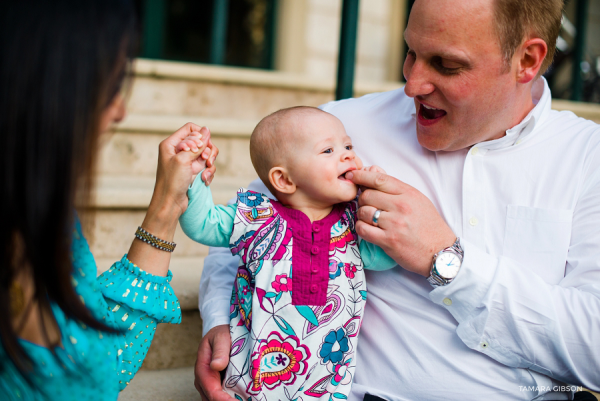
447 265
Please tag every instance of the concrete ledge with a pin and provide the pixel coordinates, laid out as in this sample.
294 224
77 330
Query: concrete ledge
591 111
151 123
250 77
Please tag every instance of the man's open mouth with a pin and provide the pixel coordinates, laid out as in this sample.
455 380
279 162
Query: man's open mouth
430 113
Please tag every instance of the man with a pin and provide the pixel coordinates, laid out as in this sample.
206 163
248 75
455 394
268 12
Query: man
511 310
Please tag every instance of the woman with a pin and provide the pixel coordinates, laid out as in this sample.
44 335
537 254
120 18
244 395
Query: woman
66 334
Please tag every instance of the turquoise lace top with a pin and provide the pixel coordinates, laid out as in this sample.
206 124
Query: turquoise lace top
92 365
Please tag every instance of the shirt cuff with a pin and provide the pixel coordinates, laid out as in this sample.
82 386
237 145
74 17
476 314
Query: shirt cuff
467 292
127 284
214 314
198 178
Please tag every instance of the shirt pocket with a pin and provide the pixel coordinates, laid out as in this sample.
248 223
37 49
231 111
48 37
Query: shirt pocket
538 239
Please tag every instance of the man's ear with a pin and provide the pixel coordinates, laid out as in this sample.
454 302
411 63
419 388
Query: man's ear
531 56
281 180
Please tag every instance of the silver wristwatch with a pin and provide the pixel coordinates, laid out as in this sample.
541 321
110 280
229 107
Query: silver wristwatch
446 264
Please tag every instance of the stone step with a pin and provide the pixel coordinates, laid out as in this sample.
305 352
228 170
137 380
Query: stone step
134 192
590 111
167 123
112 232
177 88
133 149
162 385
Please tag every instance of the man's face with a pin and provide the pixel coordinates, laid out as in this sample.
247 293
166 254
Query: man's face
455 71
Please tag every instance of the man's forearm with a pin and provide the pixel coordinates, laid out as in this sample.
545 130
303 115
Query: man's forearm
514 316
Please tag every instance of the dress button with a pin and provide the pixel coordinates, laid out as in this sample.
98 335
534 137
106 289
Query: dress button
314 250
316 228
313 288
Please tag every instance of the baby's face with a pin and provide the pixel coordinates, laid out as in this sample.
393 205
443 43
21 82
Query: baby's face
321 156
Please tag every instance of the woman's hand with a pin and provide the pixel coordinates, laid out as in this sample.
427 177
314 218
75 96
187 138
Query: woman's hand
174 175
176 170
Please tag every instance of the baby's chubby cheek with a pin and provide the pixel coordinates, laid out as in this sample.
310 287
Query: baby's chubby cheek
353 192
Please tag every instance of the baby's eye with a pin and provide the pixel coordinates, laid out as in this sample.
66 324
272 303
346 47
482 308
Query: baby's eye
328 150
349 147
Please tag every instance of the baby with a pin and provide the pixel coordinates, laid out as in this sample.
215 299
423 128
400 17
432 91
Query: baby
299 292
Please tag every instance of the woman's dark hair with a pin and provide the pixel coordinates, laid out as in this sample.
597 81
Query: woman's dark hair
62 62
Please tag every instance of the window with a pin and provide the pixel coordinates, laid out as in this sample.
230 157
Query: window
229 32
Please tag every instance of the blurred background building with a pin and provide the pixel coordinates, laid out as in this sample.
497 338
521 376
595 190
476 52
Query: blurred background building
228 63
302 36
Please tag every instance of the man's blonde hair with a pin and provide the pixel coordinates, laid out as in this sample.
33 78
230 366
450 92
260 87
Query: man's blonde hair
518 20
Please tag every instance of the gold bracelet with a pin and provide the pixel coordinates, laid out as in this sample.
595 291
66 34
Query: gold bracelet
156 242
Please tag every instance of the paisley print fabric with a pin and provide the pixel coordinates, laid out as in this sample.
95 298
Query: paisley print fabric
282 350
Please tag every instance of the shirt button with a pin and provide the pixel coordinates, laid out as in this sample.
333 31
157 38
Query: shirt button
316 228
314 250
313 288
484 345
473 221
314 270
447 301
474 151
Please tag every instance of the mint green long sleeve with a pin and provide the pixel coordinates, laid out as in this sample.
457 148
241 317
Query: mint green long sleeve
374 258
211 225
205 222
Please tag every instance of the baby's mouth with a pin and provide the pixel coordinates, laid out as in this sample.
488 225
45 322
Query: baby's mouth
343 175
430 113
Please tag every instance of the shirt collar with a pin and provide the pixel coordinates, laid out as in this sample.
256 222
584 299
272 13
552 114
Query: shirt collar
542 100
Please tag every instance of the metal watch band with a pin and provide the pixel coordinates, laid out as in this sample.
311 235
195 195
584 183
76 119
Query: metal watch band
456 247
435 279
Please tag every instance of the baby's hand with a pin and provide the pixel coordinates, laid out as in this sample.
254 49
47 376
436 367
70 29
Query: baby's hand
197 142
191 142
375 169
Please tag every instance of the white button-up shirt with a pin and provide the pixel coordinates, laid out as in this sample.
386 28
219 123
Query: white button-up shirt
522 318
